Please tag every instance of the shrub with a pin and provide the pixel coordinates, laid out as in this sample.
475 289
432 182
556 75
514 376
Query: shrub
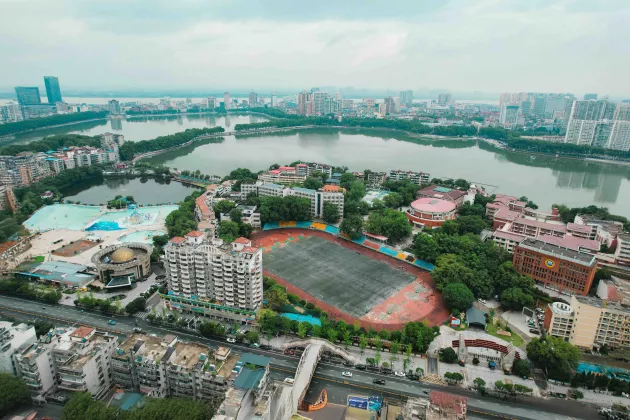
310 305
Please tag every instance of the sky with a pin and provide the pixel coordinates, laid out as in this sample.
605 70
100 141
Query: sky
452 45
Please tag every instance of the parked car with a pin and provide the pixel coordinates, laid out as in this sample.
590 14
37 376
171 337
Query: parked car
265 347
347 374
289 380
379 381
254 345
399 374
230 340
534 331
111 322
360 367
349 364
137 330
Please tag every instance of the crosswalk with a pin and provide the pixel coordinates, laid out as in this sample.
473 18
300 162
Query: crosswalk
141 315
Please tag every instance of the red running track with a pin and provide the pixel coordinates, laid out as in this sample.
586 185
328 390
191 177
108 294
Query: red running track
418 301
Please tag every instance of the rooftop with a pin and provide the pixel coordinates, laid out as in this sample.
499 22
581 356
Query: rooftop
189 354
557 251
304 190
255 359
572 242
604 304
441 192
60 272
241 240
578 227
433 205
177 239
194 234
82 332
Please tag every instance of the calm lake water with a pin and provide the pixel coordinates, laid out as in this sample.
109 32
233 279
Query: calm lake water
544 179
142 128
144 191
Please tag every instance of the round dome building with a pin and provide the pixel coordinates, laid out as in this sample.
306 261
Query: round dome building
122 264
430 212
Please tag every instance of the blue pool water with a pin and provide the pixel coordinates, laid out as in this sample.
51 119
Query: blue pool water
144 236
103 225
61 216
609 371
302 318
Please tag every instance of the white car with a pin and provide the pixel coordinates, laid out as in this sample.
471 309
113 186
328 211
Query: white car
347 374
230 340
289 380
401 374
483 302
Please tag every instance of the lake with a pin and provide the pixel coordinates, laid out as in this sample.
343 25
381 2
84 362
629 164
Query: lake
144 191
142 128
544 179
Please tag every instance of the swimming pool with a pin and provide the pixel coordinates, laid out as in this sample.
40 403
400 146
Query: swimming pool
61 216
124 219
609 371
302 318
144 236
371 195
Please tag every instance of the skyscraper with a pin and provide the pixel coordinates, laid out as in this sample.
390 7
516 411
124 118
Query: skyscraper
114 107
253 99
28 95
227 102
599 124
303 100
274 102
53 92
392 105
445 99
509 115
211 102
406 98
11 112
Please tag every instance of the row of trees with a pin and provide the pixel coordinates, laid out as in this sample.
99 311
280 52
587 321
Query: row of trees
88 301
130 149
568 214
81 406
29 290
274 209
34 123
50 143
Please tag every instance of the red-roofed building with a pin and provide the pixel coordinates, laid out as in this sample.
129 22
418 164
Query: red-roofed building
241 240
445 406
82 332
431 212
443 193
333 188
194 234
177 240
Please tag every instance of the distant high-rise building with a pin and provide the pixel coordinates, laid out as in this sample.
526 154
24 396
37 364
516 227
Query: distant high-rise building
406 98
114 107
599 124
509 115
227 101
369 102
12 112
392 105
505 98
590 96
253 99
274 101
211 102
445 99
28 95
303 100
554 103
53 91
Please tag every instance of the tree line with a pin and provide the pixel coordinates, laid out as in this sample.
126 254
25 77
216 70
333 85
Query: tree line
32 124
130 149
50 143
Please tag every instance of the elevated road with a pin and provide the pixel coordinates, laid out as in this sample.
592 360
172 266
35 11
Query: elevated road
286 366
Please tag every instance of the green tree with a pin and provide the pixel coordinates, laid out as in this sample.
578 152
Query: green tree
13 392
352 226
470 224
331 212
448 355
425 247
450 269
363 343
521 368
223 206
458 296
390 223
553 353
314 183
515 298
236 215
332 335
228 230
480 385
393 200
136 305
252 336
576 394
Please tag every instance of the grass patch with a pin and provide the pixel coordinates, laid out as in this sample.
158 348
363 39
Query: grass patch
515 339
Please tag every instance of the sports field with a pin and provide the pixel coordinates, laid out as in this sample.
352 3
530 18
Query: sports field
349 281
344 278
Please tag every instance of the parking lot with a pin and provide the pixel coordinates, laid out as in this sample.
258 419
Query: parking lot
518 321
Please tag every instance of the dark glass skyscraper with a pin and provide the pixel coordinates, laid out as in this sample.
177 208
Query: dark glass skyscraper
52 89
28 95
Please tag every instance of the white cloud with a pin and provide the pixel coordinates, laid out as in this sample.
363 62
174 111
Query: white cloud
488 45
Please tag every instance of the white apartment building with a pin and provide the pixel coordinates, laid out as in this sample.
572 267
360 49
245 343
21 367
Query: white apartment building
82 358
35 365
590 322
317 198
281 177
622 253
417 178
599 124
250 214
12 339
198 268
11 112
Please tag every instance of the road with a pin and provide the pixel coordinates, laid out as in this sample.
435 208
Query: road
285 366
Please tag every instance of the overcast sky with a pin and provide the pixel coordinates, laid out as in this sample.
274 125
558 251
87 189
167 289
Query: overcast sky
469 45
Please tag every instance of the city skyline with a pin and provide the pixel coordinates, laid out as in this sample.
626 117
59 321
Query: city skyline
453 46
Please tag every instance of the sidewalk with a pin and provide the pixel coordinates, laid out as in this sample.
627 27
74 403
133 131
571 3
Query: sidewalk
605 399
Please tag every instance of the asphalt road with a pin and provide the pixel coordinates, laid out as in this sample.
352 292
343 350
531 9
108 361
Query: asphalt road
285 366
